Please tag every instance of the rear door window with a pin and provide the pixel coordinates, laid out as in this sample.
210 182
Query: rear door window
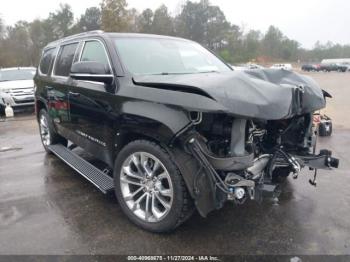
95 51
46 61
65 59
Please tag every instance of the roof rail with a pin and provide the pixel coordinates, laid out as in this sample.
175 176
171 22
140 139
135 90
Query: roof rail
75 36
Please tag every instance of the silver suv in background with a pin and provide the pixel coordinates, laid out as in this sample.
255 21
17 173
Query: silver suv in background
16 87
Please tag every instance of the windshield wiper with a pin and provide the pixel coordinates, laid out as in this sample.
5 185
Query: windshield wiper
211 71
182 73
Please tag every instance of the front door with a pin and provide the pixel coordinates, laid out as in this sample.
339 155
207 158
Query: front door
91 107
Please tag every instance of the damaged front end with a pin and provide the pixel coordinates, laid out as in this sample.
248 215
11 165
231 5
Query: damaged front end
238 159
247 130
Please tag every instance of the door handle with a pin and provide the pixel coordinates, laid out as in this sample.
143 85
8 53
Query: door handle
73 94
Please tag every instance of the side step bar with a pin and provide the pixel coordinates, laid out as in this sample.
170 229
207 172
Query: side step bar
94 175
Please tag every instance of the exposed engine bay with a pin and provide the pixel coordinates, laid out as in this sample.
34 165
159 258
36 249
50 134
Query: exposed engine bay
244 158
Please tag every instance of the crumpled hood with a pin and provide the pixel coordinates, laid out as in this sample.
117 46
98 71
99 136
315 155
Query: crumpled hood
264 94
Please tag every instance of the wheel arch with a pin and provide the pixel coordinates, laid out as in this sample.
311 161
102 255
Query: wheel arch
39 104
150 121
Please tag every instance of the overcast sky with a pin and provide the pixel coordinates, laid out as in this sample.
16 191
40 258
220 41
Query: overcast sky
303 20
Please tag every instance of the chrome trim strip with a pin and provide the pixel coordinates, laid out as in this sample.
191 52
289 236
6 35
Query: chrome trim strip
91 75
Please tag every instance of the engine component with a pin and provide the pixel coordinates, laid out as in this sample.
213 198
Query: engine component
259 165
238 137
235 180
230 163
238 187
239 193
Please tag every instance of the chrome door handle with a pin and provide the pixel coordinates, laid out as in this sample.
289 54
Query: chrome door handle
73 94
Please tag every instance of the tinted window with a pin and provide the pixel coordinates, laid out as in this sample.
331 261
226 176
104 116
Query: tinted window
94 51
65 59
46 61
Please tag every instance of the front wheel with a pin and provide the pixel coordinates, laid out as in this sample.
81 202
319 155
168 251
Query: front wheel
48 134
150 188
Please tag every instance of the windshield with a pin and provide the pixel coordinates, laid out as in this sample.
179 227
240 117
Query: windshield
17 74
166 56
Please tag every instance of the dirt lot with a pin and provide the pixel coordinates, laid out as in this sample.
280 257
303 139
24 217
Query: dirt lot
47 208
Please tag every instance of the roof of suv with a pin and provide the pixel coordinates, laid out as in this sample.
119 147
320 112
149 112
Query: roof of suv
102 33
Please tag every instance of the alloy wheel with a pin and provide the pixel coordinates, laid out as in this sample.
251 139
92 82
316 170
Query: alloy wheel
146 186
44 130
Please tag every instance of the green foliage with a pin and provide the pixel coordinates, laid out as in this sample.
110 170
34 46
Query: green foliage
115 16
145 21
162 22
61 21
21 43
90 20
1 28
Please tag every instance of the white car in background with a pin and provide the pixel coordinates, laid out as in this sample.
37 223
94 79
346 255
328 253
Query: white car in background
237 67
282 66
17 87
254 66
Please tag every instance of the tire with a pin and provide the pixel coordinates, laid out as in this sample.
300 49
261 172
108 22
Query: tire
48 134
180 205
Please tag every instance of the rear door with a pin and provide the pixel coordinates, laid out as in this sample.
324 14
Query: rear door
58 88
91 106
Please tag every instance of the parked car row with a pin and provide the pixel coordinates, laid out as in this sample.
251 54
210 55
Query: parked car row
248 66
282 66
251 66
326 67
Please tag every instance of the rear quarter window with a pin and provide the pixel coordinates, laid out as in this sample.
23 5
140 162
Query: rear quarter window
64 59
46 60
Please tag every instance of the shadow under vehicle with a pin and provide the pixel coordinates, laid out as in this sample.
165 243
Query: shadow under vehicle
177 129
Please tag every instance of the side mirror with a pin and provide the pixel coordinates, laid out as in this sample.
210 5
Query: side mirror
91 71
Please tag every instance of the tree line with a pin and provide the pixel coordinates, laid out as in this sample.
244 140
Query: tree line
21 43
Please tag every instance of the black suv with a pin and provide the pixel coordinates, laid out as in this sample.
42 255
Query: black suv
176 128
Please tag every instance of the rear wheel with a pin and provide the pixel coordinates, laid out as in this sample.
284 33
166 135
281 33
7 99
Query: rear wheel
48 134
150 188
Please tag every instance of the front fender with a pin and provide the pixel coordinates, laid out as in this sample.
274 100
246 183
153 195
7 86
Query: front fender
159 121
